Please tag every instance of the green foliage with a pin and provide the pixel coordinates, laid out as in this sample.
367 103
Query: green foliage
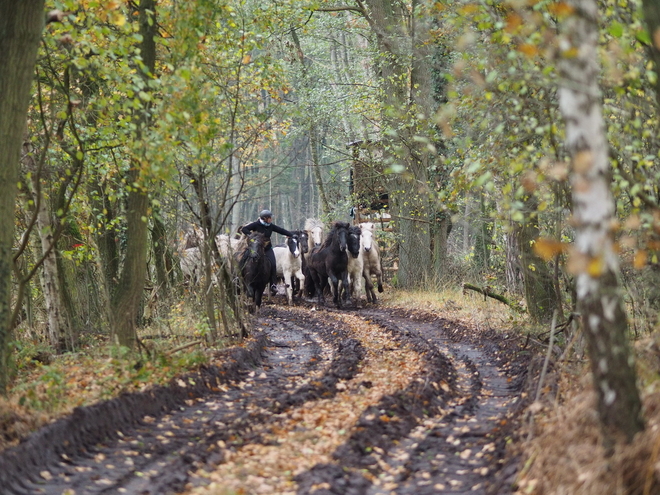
243 90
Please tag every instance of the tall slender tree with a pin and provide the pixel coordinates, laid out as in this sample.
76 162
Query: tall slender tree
21 24
127 297
593 259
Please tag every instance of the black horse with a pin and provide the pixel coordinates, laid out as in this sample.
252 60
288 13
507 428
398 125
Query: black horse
255 268
303 238
330 262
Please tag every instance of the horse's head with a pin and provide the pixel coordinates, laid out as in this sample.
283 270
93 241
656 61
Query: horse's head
303 240
293 243
367 235
317 235
353 240
256 244
314 229
340 233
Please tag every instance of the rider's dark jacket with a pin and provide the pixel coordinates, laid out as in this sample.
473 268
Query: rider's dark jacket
266 229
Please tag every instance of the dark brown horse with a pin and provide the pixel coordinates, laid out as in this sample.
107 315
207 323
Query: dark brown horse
255 268
329 262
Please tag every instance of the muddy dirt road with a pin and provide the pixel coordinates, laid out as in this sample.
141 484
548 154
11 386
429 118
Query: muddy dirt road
369 401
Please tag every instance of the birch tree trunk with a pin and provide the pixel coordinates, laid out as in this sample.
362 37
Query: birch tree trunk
21 24
593 259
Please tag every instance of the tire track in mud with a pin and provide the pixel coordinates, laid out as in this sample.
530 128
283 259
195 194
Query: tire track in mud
434 430
455 452
154 454
451 446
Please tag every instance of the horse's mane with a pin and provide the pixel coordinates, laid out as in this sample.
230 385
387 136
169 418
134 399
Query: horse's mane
311 223
241 245
242 248
332 234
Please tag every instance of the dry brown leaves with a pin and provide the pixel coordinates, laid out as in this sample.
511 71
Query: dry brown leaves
565 454
48 392
310 434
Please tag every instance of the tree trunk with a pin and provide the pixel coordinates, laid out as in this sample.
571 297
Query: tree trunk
539 285
162 256
593 259
440 231
483 238
58 327
208 246
313 135
652 19
514 272
126 300
21 24
405 84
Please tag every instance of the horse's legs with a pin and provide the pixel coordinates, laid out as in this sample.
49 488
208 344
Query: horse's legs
369 287
336 296
378 271
288 286
298 280
347 293
258 295
320 283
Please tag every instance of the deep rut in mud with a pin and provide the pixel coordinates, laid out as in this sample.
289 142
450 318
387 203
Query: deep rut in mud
440 428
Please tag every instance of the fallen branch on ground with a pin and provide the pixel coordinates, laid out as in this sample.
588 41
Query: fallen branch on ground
184 346
498 297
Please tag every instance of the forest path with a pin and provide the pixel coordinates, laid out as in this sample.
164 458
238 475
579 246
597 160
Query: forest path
367 401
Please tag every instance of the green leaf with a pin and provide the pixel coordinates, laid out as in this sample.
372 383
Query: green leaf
643 36
615 29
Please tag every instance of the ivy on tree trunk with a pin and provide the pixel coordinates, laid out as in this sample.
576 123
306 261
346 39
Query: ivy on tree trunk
126 300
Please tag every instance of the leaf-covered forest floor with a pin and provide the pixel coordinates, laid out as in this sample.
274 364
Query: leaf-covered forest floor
424 393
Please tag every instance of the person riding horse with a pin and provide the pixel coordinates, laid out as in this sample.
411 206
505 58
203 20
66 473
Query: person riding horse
266 227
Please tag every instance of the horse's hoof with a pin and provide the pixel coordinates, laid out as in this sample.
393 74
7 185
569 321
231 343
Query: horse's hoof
380 288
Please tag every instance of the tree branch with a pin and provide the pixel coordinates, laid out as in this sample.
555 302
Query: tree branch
488 293
341 8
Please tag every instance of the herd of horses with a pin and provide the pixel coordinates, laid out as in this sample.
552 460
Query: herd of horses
312 263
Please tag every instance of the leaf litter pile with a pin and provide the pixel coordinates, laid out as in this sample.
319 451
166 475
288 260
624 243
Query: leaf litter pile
372 401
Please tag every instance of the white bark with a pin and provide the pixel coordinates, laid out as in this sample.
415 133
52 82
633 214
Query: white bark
594 260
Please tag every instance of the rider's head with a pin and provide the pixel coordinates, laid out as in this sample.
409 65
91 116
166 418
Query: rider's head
266 216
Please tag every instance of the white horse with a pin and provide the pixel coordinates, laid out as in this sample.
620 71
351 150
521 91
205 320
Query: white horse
314 228
191 265
288 260
371 255
227 246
